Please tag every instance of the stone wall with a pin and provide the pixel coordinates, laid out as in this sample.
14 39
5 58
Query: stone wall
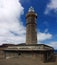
36 55
10 54
42 56
1 54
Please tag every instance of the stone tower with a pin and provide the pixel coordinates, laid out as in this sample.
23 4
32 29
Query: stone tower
31 33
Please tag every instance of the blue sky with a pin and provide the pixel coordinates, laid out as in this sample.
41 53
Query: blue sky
44 21
13 22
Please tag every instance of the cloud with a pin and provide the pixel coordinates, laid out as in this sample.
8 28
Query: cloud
11 27
51 6
53 44
44 36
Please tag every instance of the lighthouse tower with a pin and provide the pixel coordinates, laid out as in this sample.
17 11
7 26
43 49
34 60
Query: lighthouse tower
31 32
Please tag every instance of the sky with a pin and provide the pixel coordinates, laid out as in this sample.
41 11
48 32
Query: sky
13 21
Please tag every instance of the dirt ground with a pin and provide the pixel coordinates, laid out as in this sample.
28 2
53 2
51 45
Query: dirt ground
24 61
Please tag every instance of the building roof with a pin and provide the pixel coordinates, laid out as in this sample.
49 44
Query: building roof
24 47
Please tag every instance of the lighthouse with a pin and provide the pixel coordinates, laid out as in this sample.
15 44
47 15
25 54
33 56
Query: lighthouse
31 32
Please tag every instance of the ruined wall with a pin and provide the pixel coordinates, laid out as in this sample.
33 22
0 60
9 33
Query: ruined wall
1 54
32 55
39 55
